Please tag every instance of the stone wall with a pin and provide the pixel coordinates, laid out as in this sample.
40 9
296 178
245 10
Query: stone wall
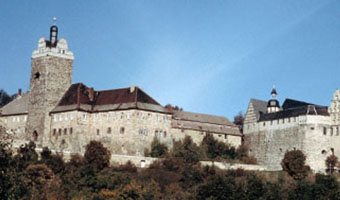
51 76
126 132
269 140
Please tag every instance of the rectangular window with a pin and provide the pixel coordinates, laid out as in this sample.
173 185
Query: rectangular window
66 116
156 133
225 136
54 132
61 117
164 134
109 130
324 131
337 131
288 120
71 131
128 115
331 130
65 131
98 131
25 118
84 117
122 130
71 116
59 130
108 116
149 116
122 115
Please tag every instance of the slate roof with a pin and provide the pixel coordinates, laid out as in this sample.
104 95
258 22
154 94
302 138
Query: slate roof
77 98
203 122
294 108
259 107
198 117
18 106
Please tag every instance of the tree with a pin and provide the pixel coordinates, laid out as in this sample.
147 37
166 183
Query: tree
238 120
5 98
158 149
97 155
26 155
53 161
294 164
186 150
331 162
171 107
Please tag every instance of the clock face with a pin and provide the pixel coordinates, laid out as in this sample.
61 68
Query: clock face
272 103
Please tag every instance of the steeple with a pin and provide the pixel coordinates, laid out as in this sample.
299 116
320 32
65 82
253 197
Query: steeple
273 104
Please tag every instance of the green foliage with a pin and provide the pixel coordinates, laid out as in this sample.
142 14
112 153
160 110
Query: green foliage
217 150
217 187
168 178
158 149
97 156
294 164
25 156
53 161
187 150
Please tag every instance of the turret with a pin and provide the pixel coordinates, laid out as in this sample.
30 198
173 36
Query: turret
273 104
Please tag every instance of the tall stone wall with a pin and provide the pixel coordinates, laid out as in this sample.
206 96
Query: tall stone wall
51 76
126 132
269 140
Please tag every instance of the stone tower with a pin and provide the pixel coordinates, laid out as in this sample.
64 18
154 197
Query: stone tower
51 76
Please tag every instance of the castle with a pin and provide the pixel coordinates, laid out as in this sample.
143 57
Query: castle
270 130
65 116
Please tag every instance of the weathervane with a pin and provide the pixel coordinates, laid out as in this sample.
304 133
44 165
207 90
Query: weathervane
54 20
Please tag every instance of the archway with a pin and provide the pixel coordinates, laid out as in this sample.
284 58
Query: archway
35 136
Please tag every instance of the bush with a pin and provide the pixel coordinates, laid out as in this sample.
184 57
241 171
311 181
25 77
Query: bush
294 164
158 149
97 156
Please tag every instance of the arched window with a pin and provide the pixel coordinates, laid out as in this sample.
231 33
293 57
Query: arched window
35 136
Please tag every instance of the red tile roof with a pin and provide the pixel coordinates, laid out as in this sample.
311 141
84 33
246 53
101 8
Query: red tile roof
79 94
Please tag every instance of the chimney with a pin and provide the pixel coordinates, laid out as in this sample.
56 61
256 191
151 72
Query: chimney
19 92
169 107
132 89
91 94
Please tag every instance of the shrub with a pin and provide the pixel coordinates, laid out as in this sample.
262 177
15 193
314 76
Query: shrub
294 164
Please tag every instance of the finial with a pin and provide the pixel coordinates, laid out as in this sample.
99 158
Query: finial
54 20
273 93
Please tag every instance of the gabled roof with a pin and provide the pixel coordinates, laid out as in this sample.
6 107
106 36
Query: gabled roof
18 106
259 107
203 122
78 98
204 118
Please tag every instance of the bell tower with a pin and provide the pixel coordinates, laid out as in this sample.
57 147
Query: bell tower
273 104
51 76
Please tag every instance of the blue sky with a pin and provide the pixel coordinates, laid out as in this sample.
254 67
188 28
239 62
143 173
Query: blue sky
205 56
